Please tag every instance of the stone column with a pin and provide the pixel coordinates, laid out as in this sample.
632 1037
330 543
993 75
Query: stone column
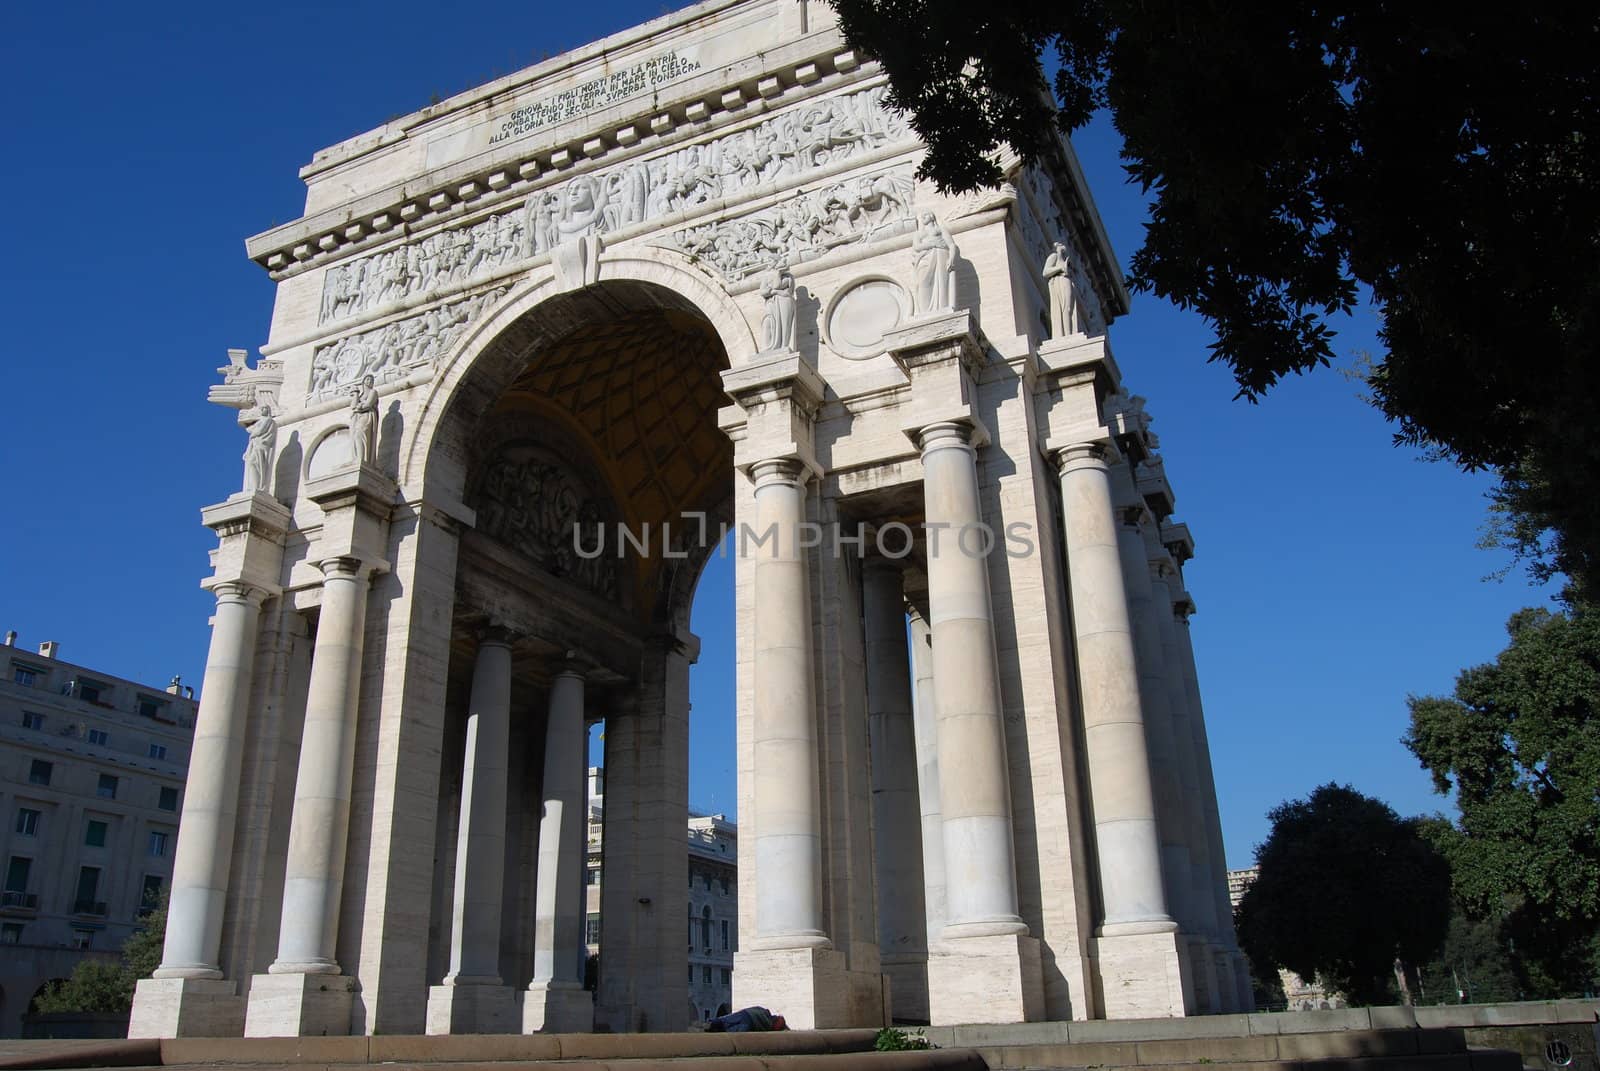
925 720
1140 965
194 989
473 999
556 1001
896 809
304 992
985 943
788 825
1244 997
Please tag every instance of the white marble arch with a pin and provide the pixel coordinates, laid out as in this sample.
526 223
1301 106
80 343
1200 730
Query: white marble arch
634 263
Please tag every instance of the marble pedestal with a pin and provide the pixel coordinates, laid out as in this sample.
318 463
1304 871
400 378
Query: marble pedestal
472 1009
1144 975
907 979
809 987
1206 999
989 979
299 1005
557 1008
1241 982
186 1008
1227 992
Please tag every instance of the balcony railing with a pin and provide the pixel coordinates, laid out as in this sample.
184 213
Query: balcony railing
89 907
24 901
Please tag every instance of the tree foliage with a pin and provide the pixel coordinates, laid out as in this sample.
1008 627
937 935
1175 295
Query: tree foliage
1519 744
1346 888
1444 157
98 985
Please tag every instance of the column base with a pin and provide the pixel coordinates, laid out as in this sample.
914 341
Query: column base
907 981
1241 981
809 987
472 1009
1207 998
186 1008
299 1005
557 1009
995 979
1227 991
1143 975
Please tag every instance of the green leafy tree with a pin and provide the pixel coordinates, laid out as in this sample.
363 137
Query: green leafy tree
98 985
1347 889
1443 159
1519 744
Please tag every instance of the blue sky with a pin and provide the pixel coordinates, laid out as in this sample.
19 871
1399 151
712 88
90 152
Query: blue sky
1335 573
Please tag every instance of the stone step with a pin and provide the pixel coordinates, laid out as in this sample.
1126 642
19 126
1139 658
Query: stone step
1475 1060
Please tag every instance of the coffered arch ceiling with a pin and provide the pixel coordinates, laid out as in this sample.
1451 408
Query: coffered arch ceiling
630 394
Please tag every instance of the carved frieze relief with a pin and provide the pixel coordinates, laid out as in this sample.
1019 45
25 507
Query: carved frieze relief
788 145
535 504
396 349
802 227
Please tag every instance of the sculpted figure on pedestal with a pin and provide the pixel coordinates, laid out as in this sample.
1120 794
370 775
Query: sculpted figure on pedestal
778 321
933 257
364 422
1060 280
258 451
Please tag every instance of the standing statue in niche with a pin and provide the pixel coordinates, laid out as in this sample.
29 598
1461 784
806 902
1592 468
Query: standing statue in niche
778 321
1060 280
364 422
258 451
933 259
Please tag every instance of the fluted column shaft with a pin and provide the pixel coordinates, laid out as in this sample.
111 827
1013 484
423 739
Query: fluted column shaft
1200 896
1158 722
926 723
558 949
211 793
974 783
320 823
896 809
1126 833
481 832
788 812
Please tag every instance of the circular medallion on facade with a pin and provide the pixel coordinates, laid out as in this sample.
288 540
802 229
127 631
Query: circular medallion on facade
862 313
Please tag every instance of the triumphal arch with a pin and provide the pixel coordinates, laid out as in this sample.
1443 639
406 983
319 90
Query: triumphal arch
537 352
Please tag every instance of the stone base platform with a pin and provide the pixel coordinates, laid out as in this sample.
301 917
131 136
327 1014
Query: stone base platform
299 1005
186 1007
557 1010
997 976
473 1009
1145 975
809 987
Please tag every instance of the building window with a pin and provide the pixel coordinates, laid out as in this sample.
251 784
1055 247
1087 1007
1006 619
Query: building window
593 876
24 676
17 872
691 974
158 842
10 933
705 974
89 693
107 787
39 772
691 877
82 939
88 887
98 736
691 929
724 885
27 821
705 930
30 720
592 928
158 751
727 976
725 935
150 895
149 708
707 878
94 833
169 799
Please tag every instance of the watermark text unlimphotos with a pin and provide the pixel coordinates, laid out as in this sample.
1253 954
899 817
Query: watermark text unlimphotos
893 540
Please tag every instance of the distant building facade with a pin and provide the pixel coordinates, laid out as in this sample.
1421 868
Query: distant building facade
713 912
1300 994
92 768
